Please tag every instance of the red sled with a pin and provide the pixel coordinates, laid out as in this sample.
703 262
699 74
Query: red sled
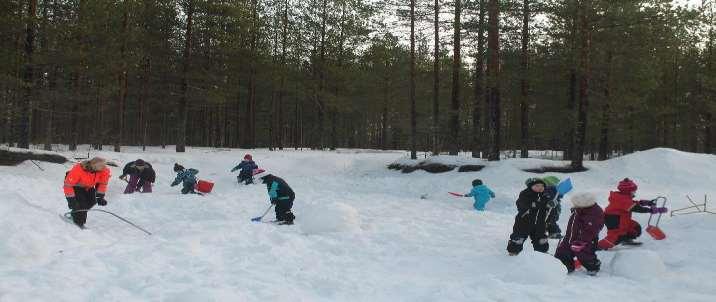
257 171
204 186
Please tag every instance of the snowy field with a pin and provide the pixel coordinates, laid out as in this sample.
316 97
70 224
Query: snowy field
363 233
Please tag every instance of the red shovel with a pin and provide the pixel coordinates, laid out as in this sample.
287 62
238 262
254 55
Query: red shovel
456 194
654 230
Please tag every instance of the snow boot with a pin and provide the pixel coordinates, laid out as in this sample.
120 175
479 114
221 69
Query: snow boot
592 273
631 242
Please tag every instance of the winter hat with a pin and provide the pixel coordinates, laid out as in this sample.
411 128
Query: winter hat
627 186
551 180
178 167
533 181
583 200
477 182
95 164
139 162
265 177
248 157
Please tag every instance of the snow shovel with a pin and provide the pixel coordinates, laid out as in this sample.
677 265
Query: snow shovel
654 230
258 219
456 194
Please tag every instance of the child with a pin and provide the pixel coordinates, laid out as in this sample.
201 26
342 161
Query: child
555 203
85 186
247 167
583 229
621 229
141 176
187 177
530 219
281 195
481 193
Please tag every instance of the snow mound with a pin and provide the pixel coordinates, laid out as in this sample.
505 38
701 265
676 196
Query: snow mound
529 267
328 218
638 264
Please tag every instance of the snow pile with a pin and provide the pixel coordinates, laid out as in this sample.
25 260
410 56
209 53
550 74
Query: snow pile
327 218
529 267
638 264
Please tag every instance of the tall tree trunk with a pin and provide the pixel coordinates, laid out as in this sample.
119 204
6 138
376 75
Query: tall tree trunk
584 78
436 79
524 86
493 79
413 123
322 77
184 100
604 132
251 104
455 102
479 83
25 117
284 70
146 81
122 80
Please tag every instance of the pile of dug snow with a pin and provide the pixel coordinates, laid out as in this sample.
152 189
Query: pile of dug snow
327 218
529 267
638 264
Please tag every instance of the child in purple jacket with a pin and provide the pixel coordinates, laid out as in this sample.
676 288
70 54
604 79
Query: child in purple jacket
582 234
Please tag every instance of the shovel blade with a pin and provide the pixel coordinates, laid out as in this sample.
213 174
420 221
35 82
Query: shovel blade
656 232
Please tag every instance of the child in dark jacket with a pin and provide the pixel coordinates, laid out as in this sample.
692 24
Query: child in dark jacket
583 229
530 219
247 167
281 195
481 193
621 229
555 204
141 176
187 177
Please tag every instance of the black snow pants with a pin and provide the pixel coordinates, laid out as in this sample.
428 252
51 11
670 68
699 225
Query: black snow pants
86 199
530 223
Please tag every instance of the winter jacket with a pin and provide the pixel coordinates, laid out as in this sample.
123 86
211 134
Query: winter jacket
552 197
531 212
584 224
80 176
187 176
482 195
146 174
618 212
246 166
278 189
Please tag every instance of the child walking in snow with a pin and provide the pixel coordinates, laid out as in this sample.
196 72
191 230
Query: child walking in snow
481 193
582 234
187 177
621 229
247 167
530 219
555 204
281 195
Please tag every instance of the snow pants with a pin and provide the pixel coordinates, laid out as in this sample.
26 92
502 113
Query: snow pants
86 199
587 256
245 177
283 210
619 229
135 183
529 224
188 187
553 218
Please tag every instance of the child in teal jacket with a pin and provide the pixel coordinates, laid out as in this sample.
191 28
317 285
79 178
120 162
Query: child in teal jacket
481 193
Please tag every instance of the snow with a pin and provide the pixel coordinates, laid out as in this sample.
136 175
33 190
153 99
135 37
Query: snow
362 233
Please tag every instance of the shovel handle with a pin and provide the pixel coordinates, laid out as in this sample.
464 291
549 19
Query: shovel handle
663 204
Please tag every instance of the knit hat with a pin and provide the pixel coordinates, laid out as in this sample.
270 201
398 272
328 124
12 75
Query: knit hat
533 181
477 182
551 180
139 162
583 200
178 167
248 157
627 186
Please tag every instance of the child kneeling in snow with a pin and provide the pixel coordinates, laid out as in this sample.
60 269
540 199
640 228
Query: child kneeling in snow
187 177
582 234
530 219
621 229
281 195
247 167
481 193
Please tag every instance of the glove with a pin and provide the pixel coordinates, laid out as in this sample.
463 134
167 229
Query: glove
123 177
578 246
100 200
659 210
647 203
274 201
72 203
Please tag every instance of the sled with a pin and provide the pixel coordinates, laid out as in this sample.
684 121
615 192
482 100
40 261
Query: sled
654 230
204 186
257 171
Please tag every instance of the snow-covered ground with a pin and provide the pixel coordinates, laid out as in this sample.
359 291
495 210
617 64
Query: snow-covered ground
363 233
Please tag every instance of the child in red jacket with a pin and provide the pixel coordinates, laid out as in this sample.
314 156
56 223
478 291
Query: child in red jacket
582 234
621 229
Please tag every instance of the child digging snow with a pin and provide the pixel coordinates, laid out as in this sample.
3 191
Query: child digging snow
247 167
187 177
582 234
621 229
481 193
555 202
530 219
281 195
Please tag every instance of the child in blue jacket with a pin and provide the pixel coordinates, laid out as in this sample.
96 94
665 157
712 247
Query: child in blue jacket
247 167
481 193
187 177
